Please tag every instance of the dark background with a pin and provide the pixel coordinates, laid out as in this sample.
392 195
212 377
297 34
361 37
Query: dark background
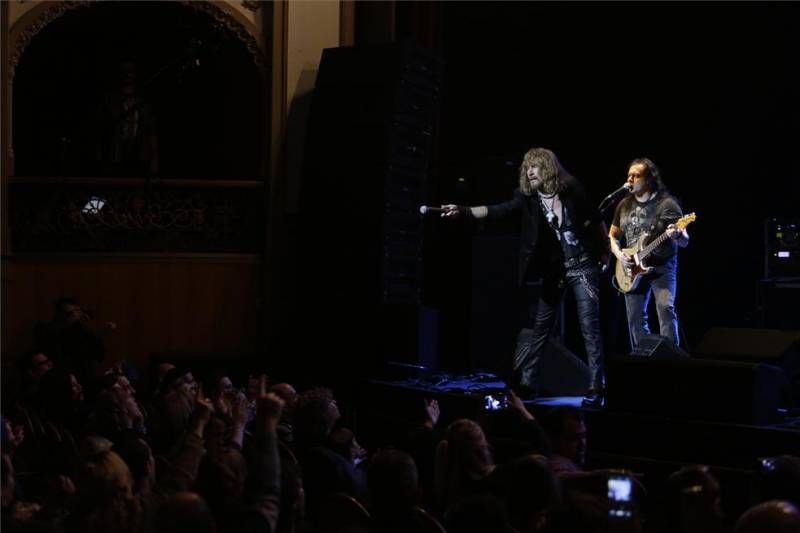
708 91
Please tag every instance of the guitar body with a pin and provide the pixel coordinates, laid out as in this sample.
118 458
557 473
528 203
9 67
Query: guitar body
627 279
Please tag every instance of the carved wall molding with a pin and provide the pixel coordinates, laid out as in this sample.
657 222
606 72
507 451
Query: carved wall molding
252 5
75 217
39 17
221 16
47 13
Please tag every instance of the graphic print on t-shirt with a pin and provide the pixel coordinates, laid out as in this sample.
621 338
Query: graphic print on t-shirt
638 222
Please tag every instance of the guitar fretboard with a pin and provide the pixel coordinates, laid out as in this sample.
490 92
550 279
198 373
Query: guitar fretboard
655 243
647 250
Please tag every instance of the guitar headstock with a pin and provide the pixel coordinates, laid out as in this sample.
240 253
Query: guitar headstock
685 221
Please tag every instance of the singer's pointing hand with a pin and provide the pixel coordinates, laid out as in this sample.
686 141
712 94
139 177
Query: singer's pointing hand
450 210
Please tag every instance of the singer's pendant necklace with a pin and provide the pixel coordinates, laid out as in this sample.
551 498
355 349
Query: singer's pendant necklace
549 214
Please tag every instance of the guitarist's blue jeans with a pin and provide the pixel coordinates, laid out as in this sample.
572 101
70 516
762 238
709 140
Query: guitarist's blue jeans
662 286
585 284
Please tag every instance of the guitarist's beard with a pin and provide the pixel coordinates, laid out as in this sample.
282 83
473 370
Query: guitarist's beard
637 188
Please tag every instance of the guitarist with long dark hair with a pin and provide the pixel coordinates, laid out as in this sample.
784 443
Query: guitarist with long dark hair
648 215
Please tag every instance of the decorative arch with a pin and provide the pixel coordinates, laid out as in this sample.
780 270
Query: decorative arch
44 13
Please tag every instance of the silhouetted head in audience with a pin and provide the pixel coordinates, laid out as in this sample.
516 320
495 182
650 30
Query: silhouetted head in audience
33 364
691 500
774 516
172 410
60 396
777 478
315 414
287 393
392 483
184 512
343 441
104 484
479 513
567 432
219 385
221 479
178 379
584 512
463 461
139 457
111 417
161 372
531 492
468 450
67 310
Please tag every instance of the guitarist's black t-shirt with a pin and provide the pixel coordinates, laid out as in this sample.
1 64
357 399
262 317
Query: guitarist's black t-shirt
636 218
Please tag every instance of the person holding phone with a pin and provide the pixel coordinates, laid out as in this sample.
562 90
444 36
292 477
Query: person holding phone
563 243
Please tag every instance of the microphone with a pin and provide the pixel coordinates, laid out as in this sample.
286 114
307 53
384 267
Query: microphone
627 187
424 210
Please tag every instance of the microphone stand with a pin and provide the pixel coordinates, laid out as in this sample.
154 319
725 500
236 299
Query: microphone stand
604 206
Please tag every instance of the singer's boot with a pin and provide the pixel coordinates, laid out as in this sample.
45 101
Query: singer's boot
594 398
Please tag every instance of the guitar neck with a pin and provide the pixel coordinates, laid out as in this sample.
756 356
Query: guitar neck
647 250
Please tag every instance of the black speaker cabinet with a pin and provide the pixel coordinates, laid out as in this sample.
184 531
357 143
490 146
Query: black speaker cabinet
702 389
660 347
774 347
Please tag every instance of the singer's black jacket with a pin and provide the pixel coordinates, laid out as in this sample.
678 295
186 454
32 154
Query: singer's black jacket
537 241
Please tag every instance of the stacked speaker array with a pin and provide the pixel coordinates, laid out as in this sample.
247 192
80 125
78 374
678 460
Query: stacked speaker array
367 158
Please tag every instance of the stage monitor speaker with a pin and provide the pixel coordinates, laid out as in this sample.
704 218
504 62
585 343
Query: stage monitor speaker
659 347
702 389
561 372
775 347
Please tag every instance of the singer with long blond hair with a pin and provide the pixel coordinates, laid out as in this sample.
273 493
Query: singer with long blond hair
562 242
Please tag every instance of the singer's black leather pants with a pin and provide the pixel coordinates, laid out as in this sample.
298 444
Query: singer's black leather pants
585 284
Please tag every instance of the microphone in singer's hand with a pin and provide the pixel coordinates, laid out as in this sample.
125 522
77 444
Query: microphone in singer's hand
424 209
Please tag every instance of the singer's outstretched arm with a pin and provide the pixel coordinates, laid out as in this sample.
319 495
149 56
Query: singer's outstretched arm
484 211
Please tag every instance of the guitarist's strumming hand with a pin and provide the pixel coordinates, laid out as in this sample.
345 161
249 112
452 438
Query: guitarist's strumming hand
613 238
626 260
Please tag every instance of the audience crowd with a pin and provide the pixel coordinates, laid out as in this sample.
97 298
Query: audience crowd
90 448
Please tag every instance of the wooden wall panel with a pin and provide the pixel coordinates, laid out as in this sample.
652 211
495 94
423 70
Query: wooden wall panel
160 305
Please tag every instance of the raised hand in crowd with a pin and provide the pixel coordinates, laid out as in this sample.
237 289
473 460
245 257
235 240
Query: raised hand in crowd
240 415
432 413
269 407
516 405
203 410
